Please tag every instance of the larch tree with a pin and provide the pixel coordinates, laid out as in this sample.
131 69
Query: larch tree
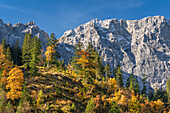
14 83
2 57
8 65
51 53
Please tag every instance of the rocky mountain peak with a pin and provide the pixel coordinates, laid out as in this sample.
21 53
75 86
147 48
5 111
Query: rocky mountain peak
15 32
139 46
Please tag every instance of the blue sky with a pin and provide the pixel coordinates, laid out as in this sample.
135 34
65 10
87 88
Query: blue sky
60 15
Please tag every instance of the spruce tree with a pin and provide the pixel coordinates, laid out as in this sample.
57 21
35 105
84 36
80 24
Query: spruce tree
4 45
8 54
137 88
144 90
99 67
119 77
107 71
95 61
114 72
26 50
16 54
35 51
131 78
131 87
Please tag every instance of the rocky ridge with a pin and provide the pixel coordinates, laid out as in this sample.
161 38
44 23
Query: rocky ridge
12 33
139 46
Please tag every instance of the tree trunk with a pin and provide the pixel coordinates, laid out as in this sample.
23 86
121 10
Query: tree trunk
48 61
24 68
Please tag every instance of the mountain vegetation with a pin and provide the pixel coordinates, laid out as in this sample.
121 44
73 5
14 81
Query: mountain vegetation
33 82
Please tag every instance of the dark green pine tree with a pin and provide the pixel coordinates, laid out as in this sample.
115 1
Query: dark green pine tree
114 72
137 88
157 94
119 77
16 54
35 51
26 50
8 54
144 90
131 87
4 45
99 67
96 62
131 78
107 71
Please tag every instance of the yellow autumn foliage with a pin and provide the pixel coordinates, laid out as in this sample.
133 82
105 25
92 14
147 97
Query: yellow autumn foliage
49 52
14 83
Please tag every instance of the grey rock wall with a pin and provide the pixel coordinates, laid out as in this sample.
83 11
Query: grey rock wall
17 32
139 46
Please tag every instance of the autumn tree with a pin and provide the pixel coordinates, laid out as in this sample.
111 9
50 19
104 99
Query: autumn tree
134 105
14 83
7 66
2 57
51 53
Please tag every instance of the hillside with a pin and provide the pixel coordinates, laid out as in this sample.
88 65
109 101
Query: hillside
138 46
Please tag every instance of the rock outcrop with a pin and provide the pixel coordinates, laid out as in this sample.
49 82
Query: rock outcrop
139 46
12 33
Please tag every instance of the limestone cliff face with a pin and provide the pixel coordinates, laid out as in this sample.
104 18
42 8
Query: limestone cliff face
17 32
139 46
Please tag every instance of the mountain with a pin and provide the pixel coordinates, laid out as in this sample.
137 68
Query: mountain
12 33
139 46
